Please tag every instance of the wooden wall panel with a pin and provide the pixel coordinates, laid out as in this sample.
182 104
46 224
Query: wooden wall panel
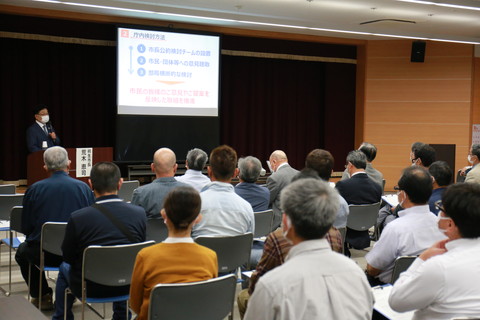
433 112
476 92
407 102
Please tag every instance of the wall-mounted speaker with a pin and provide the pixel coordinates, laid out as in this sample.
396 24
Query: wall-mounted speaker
418 51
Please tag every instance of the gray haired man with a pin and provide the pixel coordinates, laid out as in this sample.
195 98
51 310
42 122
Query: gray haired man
249 171
314 282
52 199
195 162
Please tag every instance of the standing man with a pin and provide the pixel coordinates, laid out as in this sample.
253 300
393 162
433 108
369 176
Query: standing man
195 162
41 135
94 226
150 197
49 200
314 282
281 176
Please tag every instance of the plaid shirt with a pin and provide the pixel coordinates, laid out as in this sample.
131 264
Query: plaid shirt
276 249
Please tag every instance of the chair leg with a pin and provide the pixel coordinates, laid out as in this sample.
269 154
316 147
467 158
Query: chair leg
64 303
10 265
29 278
42 264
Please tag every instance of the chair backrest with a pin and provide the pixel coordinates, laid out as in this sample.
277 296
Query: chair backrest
52 237
263 223
156 230
111 265
16 219
127 188
205 300
7 189
232 252
7 202
401 264
363 216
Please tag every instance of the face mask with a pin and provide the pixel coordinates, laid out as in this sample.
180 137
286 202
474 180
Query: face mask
440 218
469 158
45 119
286 228
400 203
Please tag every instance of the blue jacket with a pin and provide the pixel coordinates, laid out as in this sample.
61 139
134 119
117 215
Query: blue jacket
52 199
35 137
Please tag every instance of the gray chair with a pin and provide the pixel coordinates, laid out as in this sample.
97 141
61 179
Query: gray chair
51 239
263 223
232 252
363 216
156 230
126 190
205 300
97 267
12 242
7 189
7 202
401 264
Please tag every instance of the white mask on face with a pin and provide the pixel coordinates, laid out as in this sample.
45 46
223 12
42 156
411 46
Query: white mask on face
440 218
400 203
45 119
286 227
469 158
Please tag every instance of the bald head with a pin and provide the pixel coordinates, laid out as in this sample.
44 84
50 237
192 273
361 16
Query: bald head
164 163
277 158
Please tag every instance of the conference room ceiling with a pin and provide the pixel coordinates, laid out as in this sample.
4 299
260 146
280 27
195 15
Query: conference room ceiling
358 19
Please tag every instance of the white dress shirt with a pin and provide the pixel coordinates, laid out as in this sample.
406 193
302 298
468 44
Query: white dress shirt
313 283
443 287
194 178
224 213
415 230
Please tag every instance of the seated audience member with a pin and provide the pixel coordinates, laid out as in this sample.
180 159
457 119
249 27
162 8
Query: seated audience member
298 288
279 179
178 258
49 200
249 171
442 283
322 162
474 158
370 152
94 226
195 162
359 189
224 213
150 197
421 154
442 176
412 232
277 247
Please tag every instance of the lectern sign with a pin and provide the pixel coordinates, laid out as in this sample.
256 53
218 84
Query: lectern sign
84 162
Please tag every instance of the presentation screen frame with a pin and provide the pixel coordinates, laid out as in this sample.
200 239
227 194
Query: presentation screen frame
167 72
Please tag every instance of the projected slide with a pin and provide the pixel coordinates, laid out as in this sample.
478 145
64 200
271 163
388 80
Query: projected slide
167 73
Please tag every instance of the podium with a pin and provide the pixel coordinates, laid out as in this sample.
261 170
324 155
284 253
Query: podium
36 172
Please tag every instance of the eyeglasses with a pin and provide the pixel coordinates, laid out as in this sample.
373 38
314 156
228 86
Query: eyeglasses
439 206
414 160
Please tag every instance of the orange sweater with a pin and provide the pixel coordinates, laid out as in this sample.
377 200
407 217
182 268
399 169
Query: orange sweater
168 263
